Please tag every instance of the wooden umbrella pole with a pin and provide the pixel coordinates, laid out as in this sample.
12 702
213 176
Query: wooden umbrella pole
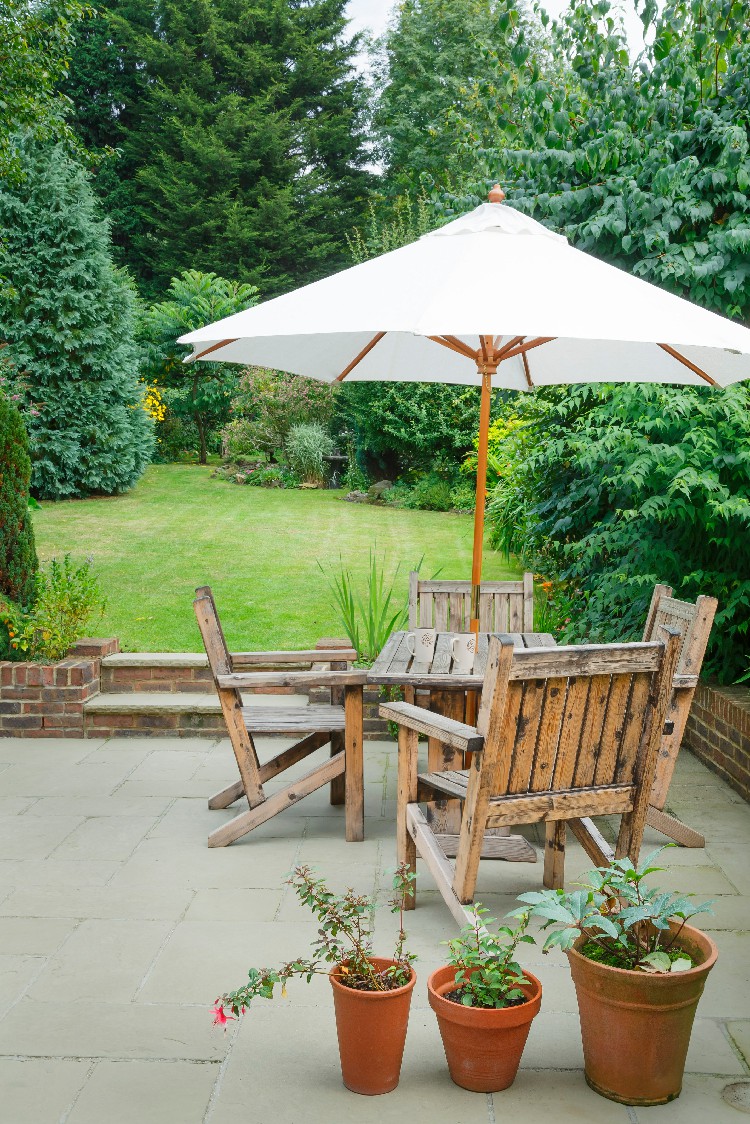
486 369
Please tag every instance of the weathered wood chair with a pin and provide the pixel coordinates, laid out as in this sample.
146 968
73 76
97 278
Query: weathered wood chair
693 622
340 724
563 734
446 605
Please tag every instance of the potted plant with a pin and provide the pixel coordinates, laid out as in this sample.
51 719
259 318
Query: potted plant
484 1003
371 994
639 970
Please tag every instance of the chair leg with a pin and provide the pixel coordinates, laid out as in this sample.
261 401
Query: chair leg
338 784
227 796
554 855
354 780
674 828
406 849
473 827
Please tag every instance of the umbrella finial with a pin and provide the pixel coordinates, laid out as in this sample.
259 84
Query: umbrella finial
497 194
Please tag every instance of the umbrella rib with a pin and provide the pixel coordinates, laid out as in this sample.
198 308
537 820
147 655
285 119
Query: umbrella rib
208 350
454 345
358 358
528 346
508 346
526 369
686 363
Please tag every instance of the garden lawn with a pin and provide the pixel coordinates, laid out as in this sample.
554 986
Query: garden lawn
258 549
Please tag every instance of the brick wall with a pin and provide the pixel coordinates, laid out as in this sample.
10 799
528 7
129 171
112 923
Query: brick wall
718 732
40 700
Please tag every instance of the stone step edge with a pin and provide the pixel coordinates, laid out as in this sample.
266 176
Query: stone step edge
156 659
168 703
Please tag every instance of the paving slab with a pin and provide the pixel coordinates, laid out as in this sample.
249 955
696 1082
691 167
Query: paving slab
122 1092
151 903
34 936
40 1090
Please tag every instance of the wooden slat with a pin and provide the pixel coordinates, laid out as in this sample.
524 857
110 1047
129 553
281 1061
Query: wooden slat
413 599
486 622
528 602
660 591
502 612
271 806
453 782
227 795
674 828
593 842
453 733
548 736
259 679
293 720
591 734
508 731
388 651
606 801
441 659
570 744
309 655
425 609
406 851
554 855
437 585
509 848
401 657
614 722
591 659
633 729
480 660
526 732
438 865
515 609
440 612
291 756
456 612
354 775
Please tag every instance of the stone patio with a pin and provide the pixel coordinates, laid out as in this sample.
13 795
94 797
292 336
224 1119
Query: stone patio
118 927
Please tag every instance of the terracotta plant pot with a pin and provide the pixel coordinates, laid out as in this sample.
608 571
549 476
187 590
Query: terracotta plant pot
483 1047
636 1026
371 1026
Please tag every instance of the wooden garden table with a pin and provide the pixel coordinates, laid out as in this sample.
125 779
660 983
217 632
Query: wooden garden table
447 692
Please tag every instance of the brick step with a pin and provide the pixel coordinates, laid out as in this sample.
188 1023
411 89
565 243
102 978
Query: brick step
191 714
178 672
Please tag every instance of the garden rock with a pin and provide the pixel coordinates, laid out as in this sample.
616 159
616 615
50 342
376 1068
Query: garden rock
356 497
375 491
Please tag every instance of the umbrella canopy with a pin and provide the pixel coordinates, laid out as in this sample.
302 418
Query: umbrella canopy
492 299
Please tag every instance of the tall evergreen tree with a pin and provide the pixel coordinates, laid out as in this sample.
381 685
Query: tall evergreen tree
68 321
18 560
430 59
240 124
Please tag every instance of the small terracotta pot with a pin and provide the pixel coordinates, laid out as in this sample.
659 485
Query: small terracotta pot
371 1026
483 1047
636 1026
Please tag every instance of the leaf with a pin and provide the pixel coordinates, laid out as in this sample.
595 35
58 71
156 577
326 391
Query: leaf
657 961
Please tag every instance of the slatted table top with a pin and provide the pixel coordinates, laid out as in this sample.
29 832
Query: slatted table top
398 667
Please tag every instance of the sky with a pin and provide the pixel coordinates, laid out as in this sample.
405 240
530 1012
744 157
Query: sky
373 15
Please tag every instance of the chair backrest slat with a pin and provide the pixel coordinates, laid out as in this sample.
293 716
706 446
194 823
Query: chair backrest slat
446 605
567 725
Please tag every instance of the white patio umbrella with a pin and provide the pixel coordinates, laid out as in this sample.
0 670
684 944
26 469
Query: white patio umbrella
492 299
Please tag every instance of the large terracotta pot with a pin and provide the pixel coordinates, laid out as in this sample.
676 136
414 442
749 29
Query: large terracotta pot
636 1026
483 1047
371 1026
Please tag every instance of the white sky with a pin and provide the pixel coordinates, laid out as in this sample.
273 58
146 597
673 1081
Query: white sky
373 15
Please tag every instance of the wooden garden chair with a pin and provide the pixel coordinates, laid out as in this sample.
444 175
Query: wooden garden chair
562 734
340 723
693 621
446 605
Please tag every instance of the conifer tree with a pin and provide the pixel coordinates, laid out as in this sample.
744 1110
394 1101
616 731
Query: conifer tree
240 127
18 561
67 318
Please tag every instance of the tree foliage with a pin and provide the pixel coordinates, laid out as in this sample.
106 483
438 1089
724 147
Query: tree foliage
36 39
202 392
68 322
18 560
240 126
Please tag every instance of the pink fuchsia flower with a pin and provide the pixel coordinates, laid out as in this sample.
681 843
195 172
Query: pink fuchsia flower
220 1018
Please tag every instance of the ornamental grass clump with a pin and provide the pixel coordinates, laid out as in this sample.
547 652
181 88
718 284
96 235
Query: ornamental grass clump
487 973
344 940
625 923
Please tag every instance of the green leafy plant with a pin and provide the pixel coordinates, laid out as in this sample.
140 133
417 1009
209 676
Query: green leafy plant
625 923
66 598
306 446
370 617
487 973
344 939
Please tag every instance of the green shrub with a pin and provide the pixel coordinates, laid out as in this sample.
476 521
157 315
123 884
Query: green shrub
268 404
18 560
69 322
430 493
306 446
66 598
238 441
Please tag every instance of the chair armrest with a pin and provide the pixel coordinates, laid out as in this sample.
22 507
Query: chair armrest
447 730
310 655
241 679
